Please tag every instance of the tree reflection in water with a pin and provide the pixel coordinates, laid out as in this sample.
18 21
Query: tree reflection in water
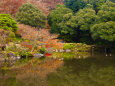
95 71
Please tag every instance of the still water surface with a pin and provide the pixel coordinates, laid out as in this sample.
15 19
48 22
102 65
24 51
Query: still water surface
96 70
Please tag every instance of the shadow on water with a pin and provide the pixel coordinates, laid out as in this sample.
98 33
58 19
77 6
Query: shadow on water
93 71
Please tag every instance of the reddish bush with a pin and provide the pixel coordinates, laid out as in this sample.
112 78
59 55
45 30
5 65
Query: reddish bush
27 32
47 54
27 45
10 6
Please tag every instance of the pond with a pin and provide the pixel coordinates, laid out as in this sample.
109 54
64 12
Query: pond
95 70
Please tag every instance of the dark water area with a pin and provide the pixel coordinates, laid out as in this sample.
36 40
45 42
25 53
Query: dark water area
96 70
92 71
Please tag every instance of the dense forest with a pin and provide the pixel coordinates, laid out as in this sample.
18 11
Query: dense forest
87 21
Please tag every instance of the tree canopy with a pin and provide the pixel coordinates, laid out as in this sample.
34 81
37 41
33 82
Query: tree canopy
29 14
105 27
75 5
86 25
56 16
7 22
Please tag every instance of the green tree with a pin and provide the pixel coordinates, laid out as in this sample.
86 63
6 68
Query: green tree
96 4
104 29
29 14
7 23
77 27
86 25
67 31
107 12
85 18
57 16
75 5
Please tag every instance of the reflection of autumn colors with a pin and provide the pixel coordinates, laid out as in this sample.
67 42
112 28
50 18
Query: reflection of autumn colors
32 74
41 68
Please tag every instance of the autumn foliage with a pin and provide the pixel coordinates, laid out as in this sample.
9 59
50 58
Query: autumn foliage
46 5
10 6
27 32
27 45
43 36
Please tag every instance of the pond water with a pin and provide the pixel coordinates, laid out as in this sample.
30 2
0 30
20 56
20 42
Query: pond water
95 70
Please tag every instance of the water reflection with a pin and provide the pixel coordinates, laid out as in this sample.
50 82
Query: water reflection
28 79
7 78
71 55
96 70
93 71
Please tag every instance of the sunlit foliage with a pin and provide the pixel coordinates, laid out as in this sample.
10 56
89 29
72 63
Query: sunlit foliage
7 23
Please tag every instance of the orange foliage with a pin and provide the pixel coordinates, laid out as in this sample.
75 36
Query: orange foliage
43 36
55 43
27 45
10 6
27 32
46 5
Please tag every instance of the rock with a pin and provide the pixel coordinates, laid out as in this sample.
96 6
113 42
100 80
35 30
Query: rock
11 55
18 57
61 50
14 58
79 56
38 55
68 51
41 55
56 50
61 59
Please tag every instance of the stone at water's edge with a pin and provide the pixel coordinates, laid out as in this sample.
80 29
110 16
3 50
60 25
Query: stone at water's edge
56 50
68 50
9 61
37 55
61 50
